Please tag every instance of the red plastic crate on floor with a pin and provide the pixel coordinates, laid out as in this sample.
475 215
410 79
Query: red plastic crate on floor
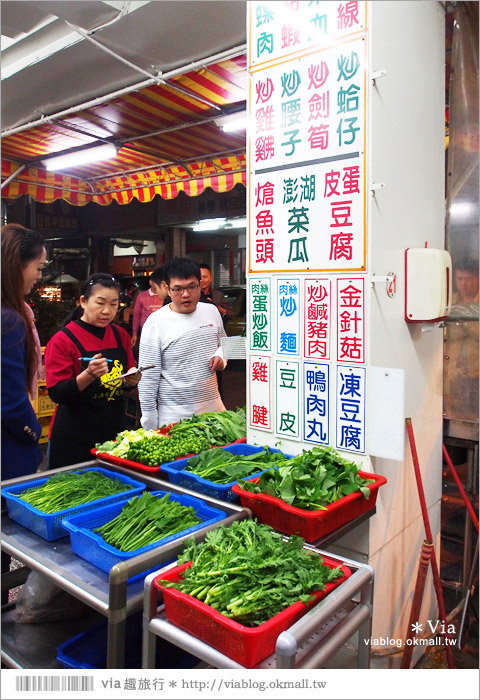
245 645
309 524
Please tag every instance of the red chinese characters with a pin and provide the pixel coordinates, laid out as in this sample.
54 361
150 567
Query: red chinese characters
264 232
341 186
351 320
317 322
260 382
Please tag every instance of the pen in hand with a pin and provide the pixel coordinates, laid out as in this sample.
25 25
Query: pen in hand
88 359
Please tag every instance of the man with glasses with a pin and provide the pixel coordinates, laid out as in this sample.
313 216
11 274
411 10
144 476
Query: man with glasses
182 340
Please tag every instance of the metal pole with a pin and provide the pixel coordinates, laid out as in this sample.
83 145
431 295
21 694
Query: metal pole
12 176
463 493
194 65
428 532
467 596
157 78
365 629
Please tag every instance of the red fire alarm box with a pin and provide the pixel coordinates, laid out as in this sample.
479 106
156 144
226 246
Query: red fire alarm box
428 284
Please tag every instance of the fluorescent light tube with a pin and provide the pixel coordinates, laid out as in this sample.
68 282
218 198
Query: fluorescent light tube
209 224
233 122
236 125
18 56
88 155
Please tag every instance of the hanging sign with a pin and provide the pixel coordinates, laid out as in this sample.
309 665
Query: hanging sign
280 29
351 320
260 331
307 162
287 402
259 381
317 321
316 407
350 408
288 316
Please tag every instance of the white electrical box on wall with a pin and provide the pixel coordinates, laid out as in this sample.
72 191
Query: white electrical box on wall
428 284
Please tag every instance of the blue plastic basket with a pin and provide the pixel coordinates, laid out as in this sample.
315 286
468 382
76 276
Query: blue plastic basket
49 525
90 546
89 648
223 492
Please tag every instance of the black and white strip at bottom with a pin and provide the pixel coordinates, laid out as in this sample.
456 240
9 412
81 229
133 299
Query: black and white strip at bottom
52 683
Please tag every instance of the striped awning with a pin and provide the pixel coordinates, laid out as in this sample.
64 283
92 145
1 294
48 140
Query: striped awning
44 186
166 136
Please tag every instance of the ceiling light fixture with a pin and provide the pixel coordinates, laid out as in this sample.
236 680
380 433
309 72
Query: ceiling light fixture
88 155
209 224
56 38
237 125
232 122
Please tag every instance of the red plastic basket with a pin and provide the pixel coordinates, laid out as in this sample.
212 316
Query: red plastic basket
166 429
137 466
245 645
121 462
309 524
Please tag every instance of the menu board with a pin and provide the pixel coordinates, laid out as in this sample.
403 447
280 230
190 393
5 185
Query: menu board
307 162
288 316
316 421
350 408
259 319
260 382
287 397
307 253
351 320
317 321
280 29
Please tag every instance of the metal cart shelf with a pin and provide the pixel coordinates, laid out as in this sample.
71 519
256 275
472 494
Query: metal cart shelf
109 595
307 644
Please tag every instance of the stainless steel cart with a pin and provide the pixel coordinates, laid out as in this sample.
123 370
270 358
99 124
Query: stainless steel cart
110 594
112 597
307 644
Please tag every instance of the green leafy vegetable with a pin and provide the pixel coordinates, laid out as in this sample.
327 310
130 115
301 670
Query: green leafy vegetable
124 441
249 573
146 519
68 489
223 467
311 480
218 427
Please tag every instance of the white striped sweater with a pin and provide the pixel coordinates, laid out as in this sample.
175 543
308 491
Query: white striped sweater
180 346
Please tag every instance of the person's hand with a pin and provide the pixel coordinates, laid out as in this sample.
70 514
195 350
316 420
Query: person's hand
216 363
133 377
134 340
97 367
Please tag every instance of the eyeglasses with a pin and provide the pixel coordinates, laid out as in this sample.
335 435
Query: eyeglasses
190 288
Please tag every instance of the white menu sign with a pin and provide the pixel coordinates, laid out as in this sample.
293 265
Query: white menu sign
307 162
279 29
